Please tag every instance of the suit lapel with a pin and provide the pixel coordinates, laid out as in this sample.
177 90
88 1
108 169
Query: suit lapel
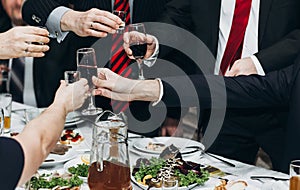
264 11
214 21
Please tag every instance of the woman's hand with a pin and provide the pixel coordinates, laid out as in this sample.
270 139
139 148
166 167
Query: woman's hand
72 96
24 41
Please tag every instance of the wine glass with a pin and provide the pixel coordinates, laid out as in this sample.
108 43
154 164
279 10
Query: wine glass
138 44
87 66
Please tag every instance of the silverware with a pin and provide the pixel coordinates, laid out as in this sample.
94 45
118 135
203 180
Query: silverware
198 148
49 160
220 159
269 177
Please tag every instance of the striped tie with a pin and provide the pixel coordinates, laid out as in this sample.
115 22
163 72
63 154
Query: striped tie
119 60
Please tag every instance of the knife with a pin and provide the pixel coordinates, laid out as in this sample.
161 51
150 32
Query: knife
49 160
269 177
198 148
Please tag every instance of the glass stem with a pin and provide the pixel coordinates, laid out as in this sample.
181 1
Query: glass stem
141 72
91 104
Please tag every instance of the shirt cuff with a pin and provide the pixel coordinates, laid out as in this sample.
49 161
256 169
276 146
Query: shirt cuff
161 92
53 23
151 60
259 69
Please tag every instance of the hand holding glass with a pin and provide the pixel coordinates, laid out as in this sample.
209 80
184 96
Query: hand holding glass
138 44
87 66
122 15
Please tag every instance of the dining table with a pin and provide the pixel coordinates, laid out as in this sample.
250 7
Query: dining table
266 179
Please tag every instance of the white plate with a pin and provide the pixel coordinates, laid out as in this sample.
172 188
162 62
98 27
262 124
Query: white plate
74 162
180 143
73 123
70 154
72 117
58 159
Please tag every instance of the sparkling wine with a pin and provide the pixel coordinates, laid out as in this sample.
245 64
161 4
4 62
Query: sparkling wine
138 50
115 176
87 72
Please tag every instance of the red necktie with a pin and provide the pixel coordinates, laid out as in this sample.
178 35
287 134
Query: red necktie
234 46
119 60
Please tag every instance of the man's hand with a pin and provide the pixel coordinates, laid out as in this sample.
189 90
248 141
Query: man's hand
243 66
114 86
130 38
93 22
24 41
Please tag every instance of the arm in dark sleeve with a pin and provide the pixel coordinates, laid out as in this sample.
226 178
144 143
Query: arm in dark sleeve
279 39
239 92
281 54
36 12
11 162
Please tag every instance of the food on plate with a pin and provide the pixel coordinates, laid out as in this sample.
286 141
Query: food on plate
55 181
60 149
80 170
232 185
152 172
85 158
155 146
70 136
170 152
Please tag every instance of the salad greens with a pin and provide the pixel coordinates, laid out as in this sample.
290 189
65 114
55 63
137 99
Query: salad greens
81 170
192 177
41 182
152 169
187 173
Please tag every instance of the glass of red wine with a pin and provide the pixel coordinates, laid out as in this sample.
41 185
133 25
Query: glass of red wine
138 44
87 66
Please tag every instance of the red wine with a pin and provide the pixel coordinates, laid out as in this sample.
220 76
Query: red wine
138 50
115 176
87 72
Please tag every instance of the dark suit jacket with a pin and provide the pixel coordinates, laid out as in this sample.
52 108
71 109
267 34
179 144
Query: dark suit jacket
275 90
143 10
62 56
278 47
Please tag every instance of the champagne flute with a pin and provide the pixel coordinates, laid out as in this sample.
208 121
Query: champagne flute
138 44
87 66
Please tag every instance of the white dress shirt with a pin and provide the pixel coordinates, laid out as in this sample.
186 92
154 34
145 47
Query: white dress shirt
250 46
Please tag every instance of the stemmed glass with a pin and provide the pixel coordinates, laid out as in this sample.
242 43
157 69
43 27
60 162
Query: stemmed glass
138 44
87 66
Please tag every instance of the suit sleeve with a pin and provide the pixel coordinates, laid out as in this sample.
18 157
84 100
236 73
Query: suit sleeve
281 54
279 40
36 12
272 90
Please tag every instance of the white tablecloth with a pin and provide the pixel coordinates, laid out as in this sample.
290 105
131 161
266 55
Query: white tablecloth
241 171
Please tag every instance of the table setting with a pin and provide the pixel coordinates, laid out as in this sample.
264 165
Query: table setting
140 147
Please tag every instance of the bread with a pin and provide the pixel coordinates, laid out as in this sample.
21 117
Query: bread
233 185
236 185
